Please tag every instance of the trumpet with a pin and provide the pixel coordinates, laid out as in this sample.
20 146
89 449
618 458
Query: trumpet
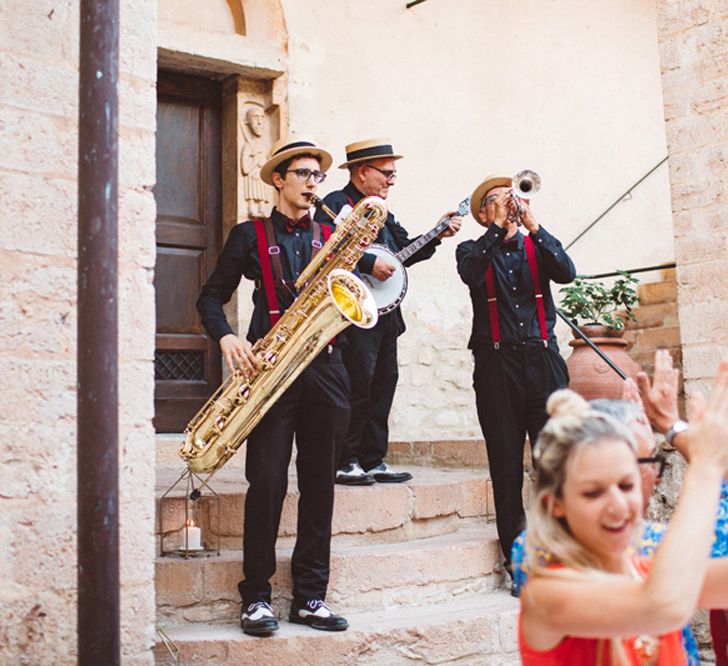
525 184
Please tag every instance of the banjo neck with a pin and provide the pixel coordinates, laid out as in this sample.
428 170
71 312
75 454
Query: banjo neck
406 252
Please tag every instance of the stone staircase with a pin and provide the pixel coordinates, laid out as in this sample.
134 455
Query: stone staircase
657 325
413 568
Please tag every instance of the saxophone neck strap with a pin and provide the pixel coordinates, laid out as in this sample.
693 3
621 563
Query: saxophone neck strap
538 295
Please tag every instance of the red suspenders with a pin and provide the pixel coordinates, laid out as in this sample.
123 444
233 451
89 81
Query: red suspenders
493 303
270 260
266 250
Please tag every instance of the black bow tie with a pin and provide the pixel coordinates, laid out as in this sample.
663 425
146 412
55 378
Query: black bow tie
302 223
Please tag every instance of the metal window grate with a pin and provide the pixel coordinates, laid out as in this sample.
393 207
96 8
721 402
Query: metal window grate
179 365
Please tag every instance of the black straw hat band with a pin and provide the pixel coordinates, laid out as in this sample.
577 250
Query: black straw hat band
373 151
297 144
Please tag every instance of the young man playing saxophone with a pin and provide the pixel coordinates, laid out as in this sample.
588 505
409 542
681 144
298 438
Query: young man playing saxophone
314 408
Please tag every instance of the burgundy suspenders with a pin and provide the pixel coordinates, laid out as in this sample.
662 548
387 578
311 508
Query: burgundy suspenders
270 260
268 253
531 256
493 303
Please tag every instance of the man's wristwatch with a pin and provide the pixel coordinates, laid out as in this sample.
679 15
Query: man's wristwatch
674 430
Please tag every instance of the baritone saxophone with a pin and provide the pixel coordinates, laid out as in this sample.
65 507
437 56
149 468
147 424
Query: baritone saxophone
330 298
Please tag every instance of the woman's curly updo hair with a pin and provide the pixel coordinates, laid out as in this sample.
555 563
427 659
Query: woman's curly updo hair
573 425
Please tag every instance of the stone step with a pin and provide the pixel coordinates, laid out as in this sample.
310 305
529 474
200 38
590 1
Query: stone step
654 315
650 339
434 502
659 292
469 453
363 577
463 631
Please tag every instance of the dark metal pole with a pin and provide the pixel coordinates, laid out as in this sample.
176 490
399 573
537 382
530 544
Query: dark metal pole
601 354
97 356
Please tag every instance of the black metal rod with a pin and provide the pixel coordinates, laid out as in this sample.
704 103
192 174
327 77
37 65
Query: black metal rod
601 354
653 169
412 3
631 271
97 354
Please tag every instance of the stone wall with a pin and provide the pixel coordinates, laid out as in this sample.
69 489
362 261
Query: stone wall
38 162
694 61
692 36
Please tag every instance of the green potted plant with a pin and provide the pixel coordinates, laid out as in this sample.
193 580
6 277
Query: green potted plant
600 312
591 303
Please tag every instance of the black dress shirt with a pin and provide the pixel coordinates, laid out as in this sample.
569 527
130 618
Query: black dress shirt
517 314
240 258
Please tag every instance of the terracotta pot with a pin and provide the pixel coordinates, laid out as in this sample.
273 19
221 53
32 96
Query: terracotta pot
589 375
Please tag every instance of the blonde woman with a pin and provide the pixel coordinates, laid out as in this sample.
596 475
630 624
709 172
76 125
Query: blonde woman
593 603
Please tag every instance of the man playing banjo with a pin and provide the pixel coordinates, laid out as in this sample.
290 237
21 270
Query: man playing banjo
371 356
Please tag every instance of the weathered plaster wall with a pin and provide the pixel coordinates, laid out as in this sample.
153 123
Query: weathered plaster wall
569 89
695 83
38 161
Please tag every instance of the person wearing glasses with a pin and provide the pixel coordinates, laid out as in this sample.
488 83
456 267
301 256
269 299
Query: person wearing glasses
272 252
515 352
371 355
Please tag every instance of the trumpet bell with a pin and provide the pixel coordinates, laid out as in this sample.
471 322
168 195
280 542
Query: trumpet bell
526 184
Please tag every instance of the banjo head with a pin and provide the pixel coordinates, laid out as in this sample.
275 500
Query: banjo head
389 293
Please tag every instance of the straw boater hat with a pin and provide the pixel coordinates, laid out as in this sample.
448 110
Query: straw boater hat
476 198
369 149
285 149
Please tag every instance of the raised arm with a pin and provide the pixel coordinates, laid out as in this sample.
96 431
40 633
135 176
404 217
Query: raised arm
660 397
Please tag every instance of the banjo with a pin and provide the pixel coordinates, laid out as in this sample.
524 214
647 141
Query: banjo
388 294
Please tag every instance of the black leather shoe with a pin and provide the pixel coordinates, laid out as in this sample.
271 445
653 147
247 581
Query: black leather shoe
382 474
353 475
317 615
258 619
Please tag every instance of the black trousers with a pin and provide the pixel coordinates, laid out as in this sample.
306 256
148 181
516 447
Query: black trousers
316 409
512 385
371 360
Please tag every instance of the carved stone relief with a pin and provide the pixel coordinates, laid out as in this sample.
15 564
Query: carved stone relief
255 196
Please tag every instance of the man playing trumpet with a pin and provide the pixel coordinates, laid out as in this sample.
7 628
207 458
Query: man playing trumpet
517 361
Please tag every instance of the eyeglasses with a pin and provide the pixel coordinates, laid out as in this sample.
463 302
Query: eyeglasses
304 174
391 176
657 462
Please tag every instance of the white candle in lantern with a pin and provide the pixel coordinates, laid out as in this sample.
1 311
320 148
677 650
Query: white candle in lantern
192 536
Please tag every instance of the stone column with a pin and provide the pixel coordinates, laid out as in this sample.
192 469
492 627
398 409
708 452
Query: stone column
691 36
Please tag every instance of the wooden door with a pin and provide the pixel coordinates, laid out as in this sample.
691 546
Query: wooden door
187 366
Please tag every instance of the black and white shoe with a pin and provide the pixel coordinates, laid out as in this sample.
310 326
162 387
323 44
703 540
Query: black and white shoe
353 475
258 619
384 474
317 615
